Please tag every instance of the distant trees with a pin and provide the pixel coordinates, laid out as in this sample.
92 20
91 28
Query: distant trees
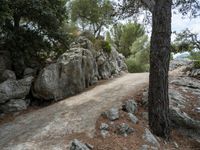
130 40
92 14
125 34
138 61
188 41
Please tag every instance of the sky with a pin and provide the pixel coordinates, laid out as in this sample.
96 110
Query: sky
179 23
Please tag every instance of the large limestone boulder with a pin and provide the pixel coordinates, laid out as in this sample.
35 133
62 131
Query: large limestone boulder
110 63
75 70
13 89
71 74
13 94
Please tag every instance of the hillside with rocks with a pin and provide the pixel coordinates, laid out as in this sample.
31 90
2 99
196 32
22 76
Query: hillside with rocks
112 115
99 75
78 68
70 104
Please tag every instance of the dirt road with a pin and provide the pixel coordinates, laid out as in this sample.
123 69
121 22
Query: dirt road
45 128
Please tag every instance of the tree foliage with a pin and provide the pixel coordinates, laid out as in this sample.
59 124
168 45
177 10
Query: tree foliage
31 28
138 61
125 35
186 7
195 56
186 41
92 14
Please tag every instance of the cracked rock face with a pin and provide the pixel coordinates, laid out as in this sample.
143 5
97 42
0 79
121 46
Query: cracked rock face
13 94
78 68
195 73
184 98
112 114
71 74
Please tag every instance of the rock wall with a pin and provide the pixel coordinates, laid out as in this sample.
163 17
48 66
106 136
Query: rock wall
78 68
195 73
13 94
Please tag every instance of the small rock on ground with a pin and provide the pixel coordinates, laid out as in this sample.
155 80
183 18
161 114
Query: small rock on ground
147 147
124 129
77 145
150 138
133 118
104 126
104 133
112 114
130 106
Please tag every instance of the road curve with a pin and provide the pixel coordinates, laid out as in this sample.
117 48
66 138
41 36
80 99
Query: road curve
46 127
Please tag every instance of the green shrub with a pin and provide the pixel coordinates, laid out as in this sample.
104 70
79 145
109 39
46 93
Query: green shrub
195 56
135 66
197 64
106 46
88 35
100 44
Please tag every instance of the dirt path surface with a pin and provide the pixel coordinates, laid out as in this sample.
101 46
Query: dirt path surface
46 128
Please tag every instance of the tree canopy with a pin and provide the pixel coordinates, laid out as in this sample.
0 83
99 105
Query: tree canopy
92 14
31 28
125 34
186 41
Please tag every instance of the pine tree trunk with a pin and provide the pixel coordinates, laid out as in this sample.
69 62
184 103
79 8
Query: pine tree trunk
159 67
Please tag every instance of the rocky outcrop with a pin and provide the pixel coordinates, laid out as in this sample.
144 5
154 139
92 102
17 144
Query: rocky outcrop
15 105
182 119
75 70
13 94
8 74
195 73
71 74
174 64
110 64
29 72
184 97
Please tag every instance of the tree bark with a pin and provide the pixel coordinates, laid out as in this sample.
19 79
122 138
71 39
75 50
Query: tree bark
159 67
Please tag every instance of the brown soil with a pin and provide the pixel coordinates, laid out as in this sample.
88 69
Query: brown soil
56 125
135 140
